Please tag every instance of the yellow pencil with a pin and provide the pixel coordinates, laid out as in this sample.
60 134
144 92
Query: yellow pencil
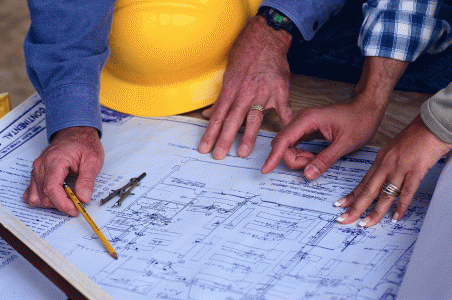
90 221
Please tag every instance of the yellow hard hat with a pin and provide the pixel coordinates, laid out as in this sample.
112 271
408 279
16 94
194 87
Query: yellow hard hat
168 57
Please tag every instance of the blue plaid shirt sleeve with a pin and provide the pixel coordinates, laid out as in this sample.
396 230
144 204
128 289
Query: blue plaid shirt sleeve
403 29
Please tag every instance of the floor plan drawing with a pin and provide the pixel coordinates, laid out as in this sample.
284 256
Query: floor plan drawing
198 228
184 239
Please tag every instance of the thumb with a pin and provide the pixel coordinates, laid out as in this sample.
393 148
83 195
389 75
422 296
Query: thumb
323 161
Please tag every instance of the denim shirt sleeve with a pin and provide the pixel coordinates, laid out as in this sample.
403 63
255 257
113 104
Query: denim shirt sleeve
65 50
308 15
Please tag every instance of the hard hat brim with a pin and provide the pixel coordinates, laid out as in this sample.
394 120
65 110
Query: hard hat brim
159 100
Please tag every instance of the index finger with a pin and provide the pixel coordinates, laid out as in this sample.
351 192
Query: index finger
290 134
220 110
53 189
280 145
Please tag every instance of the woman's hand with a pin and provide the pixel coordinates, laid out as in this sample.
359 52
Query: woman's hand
403 162
348 126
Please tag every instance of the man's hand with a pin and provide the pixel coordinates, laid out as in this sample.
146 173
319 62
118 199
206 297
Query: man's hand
77 150
257 74
404 162
348 126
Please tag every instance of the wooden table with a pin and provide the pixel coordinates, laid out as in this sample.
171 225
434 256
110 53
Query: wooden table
310 91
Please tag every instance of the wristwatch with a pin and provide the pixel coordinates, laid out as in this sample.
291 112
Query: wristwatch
279 21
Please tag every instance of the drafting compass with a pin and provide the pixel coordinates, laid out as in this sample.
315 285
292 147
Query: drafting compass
124 191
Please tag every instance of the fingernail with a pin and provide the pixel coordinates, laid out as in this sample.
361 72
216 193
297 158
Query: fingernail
25 196
312 172
242 151
339 202
395 217
203 148
363 222
342 217
218 153
72 213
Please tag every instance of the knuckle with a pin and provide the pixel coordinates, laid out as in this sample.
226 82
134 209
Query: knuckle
365 191
248 79
324 160
264 89
248 84
94 159
286 111
37 163
48 190
403 205
385 197
390 157
354 194
46 202
354 212
411 183
408 189
228 90
291 165
279 139
281 88
26 196
34 200
86 181
254 117
232 120
381 155
216 119
379 211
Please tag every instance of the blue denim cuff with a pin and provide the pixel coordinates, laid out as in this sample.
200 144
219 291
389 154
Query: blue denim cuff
308 15
72 105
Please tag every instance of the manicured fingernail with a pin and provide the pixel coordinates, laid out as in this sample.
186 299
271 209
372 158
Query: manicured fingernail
312 172
72 213
395 217
218 153
203 148
363 222
242 151
342 217
339 202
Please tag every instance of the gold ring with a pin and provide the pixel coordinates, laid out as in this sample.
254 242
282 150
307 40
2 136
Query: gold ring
390 189
257 107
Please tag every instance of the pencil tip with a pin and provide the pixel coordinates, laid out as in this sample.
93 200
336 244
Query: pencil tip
114 255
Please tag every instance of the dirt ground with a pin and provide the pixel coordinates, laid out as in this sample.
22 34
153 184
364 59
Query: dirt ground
14 24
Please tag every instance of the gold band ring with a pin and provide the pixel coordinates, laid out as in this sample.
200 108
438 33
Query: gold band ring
257 107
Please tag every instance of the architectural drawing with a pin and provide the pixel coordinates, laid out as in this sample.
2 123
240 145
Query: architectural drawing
184 239
197 228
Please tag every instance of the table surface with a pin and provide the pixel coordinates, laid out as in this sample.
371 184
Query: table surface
307 92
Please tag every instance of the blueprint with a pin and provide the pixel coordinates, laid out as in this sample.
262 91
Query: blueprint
199 228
